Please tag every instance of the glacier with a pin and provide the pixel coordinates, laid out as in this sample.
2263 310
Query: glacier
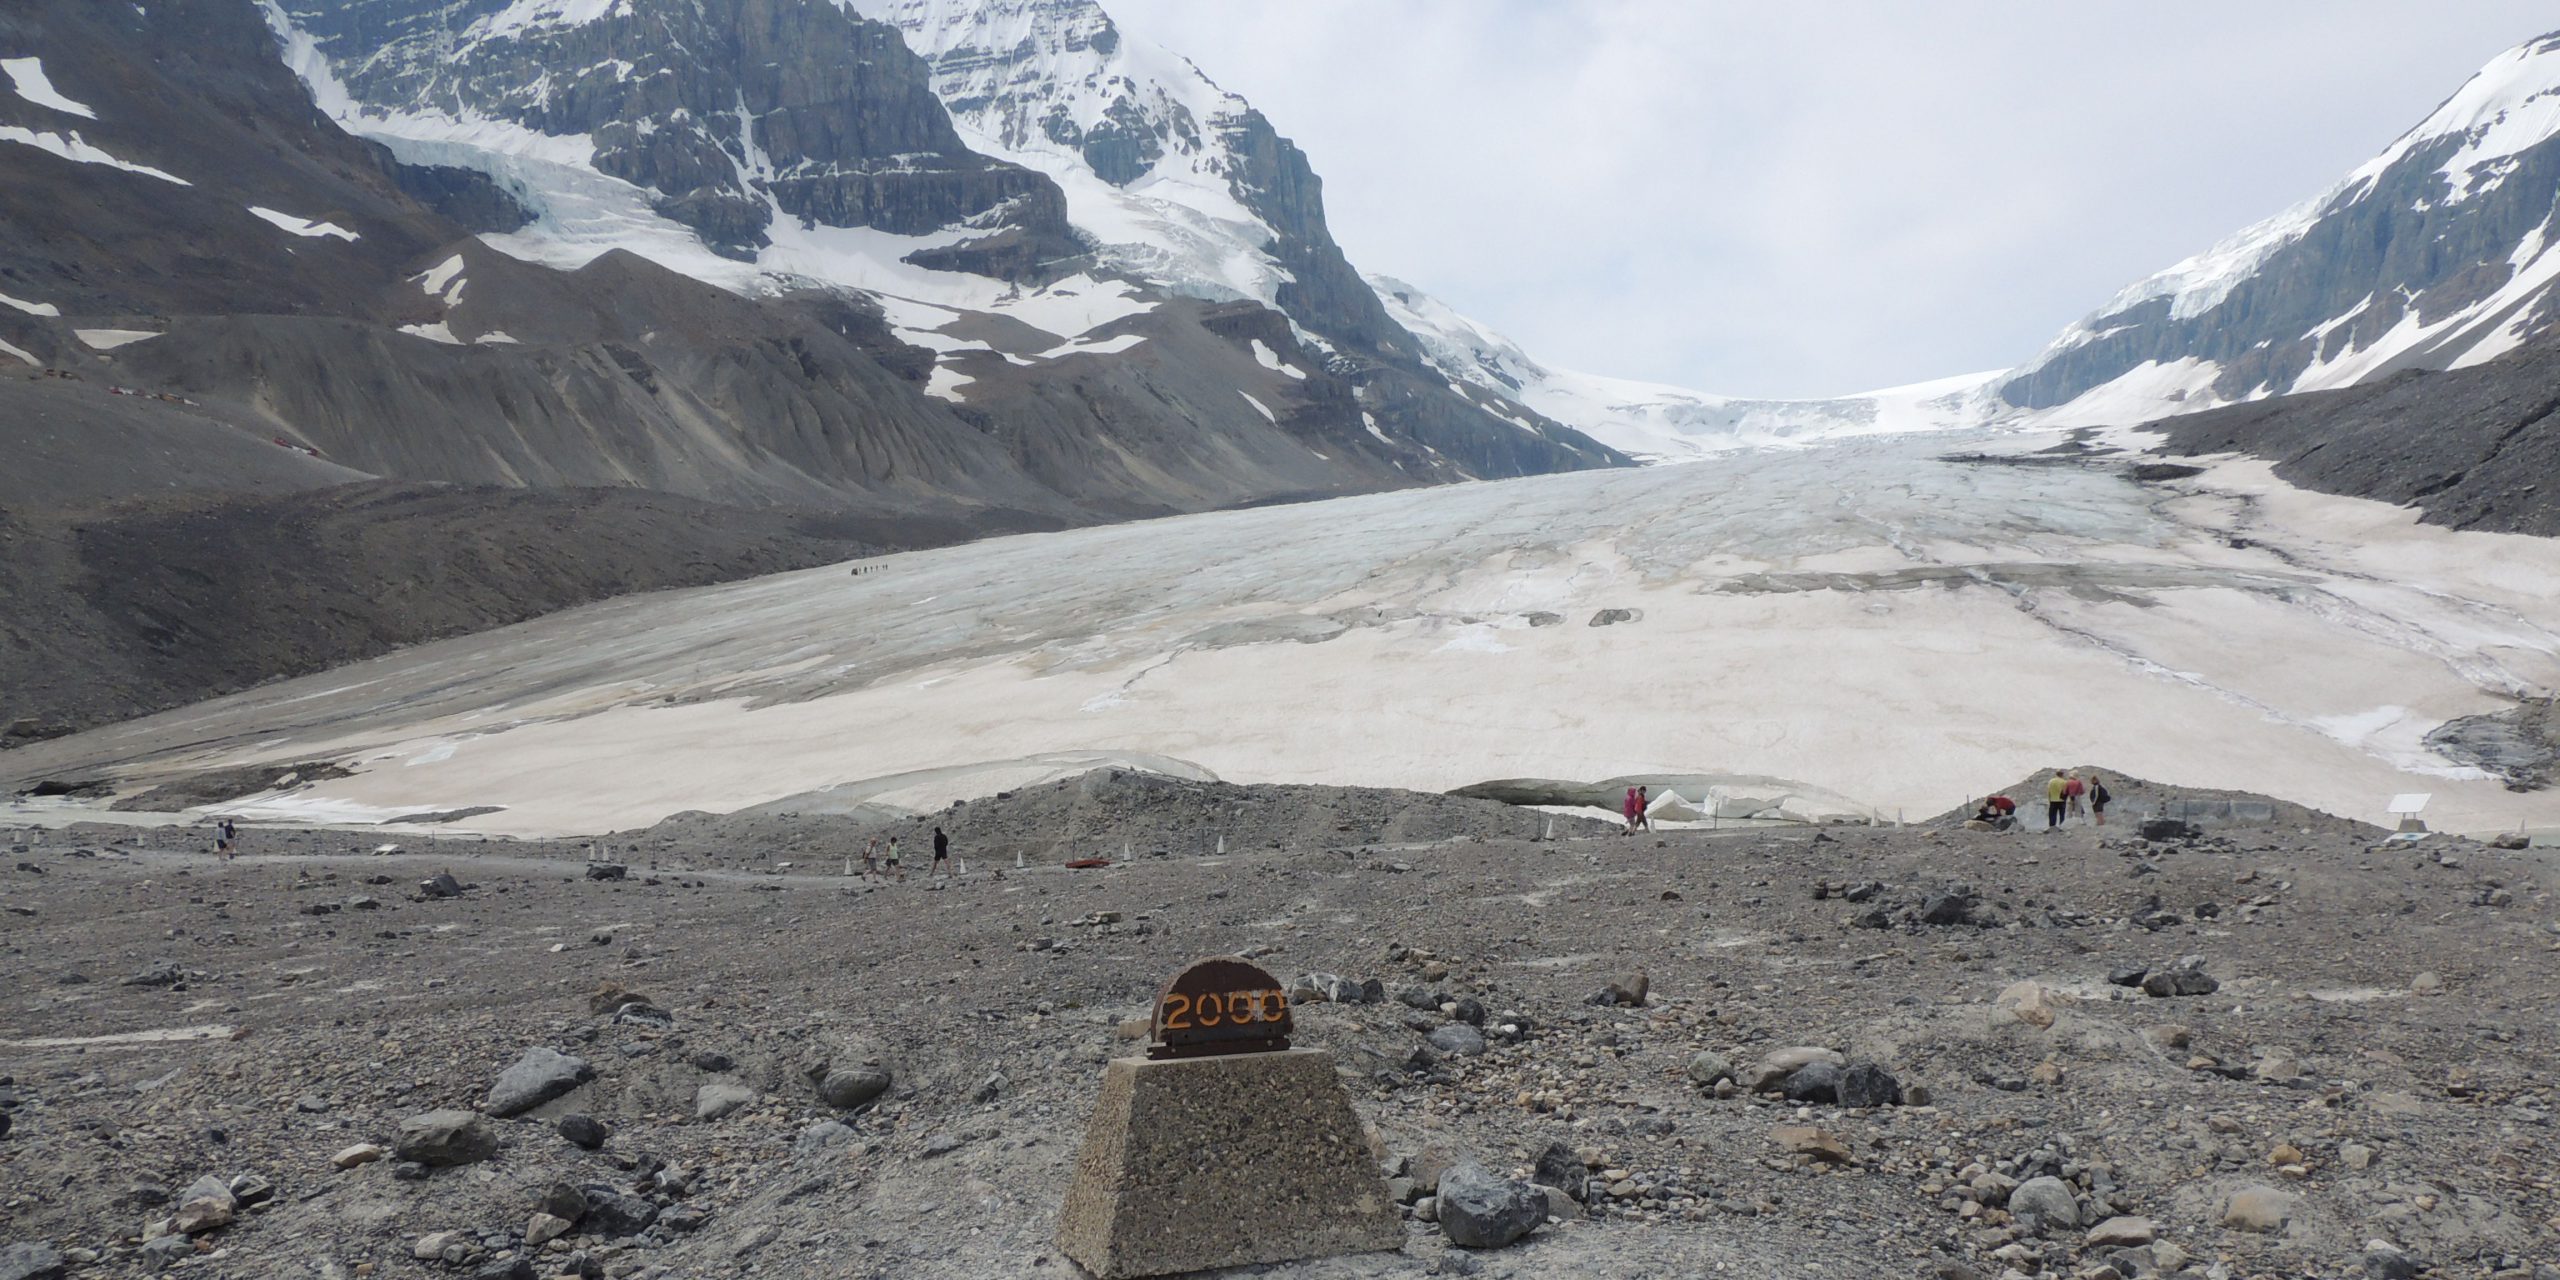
1904 620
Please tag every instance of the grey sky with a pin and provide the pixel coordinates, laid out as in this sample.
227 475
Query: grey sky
1806 199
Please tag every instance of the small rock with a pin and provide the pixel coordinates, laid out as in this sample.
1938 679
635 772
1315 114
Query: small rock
822 1136
2182 981
1458 1038
2122 1232
854 1086
30 1262
541 1075
1560 1168
444 1139
431 1246
719 1099
2356 1155
2260 1208
1867 1084
584 1131
359 1154
1813 1082
1706 1067
614 1215
1805 1140
543 1228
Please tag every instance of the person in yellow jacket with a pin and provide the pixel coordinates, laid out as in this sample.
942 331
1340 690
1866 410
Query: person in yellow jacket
2057 799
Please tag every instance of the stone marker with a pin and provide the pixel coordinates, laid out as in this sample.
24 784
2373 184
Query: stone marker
1226 1148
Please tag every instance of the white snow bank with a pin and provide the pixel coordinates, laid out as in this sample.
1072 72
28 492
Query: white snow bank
300 226
1258 406
28 77
436 332
1270 359
74 149
110 339
20 352
31 308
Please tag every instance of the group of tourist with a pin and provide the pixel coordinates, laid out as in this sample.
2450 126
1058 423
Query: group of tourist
885 862
2067 795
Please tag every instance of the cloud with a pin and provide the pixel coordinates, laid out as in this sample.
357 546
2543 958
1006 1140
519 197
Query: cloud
1815 198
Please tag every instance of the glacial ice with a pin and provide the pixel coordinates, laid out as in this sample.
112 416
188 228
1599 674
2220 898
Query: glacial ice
1865 618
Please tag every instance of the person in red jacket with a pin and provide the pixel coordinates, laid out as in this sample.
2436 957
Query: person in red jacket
2076 794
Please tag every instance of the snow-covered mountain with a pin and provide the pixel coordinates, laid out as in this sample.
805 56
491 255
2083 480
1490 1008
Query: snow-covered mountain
1665 423
1023 186
2437 253
2440 252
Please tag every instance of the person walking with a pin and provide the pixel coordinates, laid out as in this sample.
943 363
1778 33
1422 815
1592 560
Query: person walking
226 839
941 852
2099 796
889 862
2057 799
1629 809
1644 807
871 858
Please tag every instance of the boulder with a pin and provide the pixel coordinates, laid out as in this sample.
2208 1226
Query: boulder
1481 1211
607 871
2045 1205
444 1139
541 1075
543 1228
854 1086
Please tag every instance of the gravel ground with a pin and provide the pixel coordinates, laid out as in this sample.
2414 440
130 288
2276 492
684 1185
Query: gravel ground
2375 1063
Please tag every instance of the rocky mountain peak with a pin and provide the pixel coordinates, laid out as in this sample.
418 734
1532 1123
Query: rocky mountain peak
730 113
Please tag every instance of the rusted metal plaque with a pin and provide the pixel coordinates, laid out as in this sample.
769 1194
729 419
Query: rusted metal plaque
1220 1005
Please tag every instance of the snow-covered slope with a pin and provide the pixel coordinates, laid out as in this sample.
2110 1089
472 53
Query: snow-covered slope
2437 253
1666 423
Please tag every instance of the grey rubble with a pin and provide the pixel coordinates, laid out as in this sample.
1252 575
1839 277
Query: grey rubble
2374 1062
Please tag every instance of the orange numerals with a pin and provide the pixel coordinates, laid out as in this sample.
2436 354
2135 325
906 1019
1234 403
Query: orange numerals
1184 1013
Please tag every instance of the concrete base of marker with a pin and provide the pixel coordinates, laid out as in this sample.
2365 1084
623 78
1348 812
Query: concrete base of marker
1220 1162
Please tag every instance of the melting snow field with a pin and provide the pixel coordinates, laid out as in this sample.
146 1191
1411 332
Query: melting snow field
1862 617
